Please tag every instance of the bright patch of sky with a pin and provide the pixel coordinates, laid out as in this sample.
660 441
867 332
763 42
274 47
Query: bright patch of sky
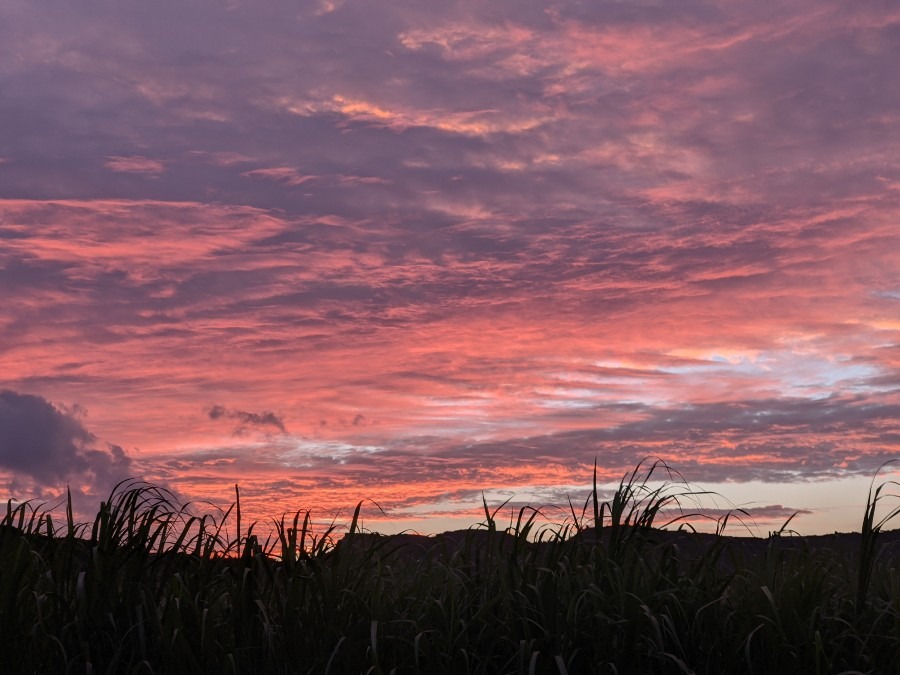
304 451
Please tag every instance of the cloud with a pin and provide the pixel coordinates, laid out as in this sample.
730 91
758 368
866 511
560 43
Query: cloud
765 440
247 419
50 444
135 164
281 174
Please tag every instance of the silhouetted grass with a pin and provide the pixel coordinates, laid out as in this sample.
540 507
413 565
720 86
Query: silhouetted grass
150 588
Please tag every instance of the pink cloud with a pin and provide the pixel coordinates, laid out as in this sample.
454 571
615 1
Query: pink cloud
135 164
224 159
281 174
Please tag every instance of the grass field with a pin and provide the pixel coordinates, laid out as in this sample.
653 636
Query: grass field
149 588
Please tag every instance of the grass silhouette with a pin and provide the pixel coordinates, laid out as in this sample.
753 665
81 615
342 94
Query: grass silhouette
148 587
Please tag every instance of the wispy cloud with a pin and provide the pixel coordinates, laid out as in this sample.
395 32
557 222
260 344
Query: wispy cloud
135 165
280 174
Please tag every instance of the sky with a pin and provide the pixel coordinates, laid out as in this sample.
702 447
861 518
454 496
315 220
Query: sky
417 253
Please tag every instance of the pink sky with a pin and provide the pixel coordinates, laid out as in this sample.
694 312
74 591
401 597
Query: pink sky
414 252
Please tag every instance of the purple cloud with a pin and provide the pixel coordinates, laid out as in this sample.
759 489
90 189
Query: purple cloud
51 445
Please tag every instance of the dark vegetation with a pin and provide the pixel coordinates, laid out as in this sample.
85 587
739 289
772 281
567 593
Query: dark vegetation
150 588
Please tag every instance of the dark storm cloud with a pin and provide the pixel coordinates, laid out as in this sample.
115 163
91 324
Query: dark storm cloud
50 445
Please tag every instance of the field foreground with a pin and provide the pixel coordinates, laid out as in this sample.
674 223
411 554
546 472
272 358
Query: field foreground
149 588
